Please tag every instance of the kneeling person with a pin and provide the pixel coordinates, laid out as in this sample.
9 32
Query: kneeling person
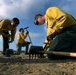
21 41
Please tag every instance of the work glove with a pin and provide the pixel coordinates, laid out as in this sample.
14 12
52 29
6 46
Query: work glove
27 32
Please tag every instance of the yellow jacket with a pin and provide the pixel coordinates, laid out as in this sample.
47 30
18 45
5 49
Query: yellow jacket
56 20
5 26
21 37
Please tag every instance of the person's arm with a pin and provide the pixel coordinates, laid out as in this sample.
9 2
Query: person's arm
23 36
46 44
13 32
56 21
3 25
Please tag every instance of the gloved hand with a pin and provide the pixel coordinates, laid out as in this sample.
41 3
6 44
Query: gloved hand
27 32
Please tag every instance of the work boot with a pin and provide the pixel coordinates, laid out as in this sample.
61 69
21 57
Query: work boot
3 53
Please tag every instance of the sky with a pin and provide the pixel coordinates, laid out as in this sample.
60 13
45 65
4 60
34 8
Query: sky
26 10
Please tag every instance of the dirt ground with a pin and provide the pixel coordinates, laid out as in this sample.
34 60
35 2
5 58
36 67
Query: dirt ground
21 65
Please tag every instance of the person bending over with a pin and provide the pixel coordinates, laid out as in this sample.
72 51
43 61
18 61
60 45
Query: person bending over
8 30
61 29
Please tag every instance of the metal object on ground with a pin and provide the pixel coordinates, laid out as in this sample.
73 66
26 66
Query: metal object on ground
36 51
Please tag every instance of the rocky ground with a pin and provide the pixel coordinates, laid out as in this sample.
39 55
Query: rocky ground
21 65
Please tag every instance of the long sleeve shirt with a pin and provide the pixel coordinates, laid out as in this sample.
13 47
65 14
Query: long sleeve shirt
5 26
21 37
57 20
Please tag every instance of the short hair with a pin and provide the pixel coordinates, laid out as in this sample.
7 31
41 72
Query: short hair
21 29
35 19
16 20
